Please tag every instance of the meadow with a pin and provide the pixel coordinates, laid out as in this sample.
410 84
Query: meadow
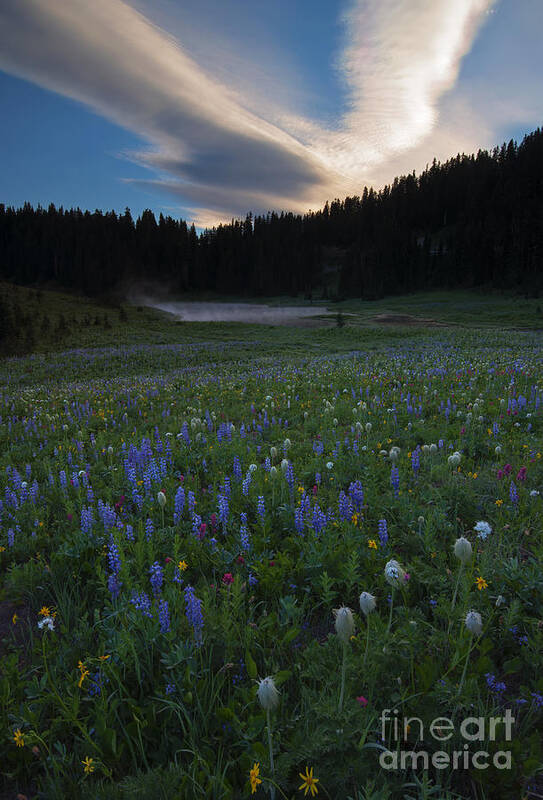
227 549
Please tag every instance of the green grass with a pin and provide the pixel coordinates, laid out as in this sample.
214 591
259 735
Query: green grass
110 417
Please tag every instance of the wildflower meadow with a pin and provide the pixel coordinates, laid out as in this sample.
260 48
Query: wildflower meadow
233 570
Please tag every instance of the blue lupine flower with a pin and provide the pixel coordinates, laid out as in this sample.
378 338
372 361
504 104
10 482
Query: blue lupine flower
382 530
191 502
345 506
395 479
223 510
114 585
178 505
142 602
495 686
149 528
243 533
289 474
261 508
356 493
113 557
193 612
164 616
157 578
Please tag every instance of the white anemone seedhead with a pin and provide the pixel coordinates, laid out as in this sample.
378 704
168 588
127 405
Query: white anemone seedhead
474 623
463 550
344 623
367 603
394 574
267 693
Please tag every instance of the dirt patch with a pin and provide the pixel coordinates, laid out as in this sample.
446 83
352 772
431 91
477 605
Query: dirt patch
407 319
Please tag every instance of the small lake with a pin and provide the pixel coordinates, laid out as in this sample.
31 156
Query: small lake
241 312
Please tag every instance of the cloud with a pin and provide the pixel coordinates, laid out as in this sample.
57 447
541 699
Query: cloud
400 57
222 152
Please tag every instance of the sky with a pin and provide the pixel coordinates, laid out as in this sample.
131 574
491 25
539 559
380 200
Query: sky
205 109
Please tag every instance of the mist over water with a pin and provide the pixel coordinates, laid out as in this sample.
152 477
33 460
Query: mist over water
238 312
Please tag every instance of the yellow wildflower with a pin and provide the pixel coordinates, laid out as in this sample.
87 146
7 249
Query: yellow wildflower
372 544
45 611
88 765
14 619
182 565
499 503
253 777
309 782
481 583
18 738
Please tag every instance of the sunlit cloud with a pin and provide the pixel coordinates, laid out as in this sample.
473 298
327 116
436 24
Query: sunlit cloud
221 152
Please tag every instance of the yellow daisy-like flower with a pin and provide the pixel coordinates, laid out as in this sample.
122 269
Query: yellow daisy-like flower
354 519
499 502
104 658
372 544
481 583
14 619
18 738
88 765
253 777
182 565
44 611
309 782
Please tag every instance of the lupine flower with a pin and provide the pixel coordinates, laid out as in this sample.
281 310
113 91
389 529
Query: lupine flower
157 578
164 616
142 603
194 612
382 530
395 479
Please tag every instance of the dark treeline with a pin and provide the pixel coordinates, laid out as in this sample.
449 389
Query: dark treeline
476 220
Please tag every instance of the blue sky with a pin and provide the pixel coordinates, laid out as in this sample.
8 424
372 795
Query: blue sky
209 109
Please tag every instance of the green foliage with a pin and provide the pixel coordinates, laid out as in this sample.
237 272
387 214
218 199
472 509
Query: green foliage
161 711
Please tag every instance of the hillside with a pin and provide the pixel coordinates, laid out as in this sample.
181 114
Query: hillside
474 221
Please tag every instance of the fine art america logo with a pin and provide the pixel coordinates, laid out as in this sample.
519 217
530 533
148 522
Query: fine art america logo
441 729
